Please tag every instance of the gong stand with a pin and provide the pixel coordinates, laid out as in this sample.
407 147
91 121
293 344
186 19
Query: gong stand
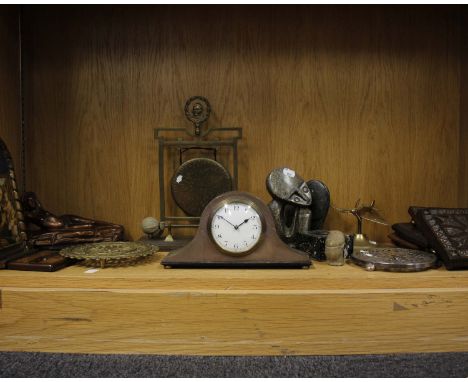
197 110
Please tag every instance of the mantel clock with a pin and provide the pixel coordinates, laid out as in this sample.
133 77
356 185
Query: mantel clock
237 230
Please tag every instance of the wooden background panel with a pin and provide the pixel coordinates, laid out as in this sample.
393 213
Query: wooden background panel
463 169
366 99
10 127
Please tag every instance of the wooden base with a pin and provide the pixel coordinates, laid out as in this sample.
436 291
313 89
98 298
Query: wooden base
166 246
148 309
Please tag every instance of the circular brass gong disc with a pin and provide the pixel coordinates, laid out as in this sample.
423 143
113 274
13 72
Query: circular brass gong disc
196 182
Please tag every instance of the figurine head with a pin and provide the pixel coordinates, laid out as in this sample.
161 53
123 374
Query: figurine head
284 184
33 209
197 109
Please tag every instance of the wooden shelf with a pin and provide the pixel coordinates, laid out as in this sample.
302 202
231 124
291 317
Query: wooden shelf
149 309
344 87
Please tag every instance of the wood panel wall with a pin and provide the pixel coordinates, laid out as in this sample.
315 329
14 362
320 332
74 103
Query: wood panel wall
10 127
367 99
463 161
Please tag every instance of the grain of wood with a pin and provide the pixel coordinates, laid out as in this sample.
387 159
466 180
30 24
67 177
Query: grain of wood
463 160
10 126
152 275
366 99
149 309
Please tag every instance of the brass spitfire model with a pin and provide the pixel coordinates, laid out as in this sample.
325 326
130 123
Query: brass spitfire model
363 212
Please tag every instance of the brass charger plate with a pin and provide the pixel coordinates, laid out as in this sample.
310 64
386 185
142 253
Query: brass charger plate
394 259
110 253
196 182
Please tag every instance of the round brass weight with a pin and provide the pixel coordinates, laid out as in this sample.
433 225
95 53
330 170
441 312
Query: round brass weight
196 182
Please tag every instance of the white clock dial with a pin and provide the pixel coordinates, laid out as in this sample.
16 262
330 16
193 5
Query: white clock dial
236 227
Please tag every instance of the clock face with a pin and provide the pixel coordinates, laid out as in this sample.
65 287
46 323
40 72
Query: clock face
236 227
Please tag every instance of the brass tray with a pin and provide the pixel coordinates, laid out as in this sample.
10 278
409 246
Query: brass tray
115 253
394 259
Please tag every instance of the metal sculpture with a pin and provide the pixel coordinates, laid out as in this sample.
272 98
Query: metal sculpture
46 230
298 207
363 212
12 228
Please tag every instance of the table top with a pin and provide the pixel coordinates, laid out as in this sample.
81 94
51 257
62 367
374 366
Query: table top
150 274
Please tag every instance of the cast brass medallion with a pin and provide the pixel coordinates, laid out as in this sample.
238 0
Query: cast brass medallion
110 253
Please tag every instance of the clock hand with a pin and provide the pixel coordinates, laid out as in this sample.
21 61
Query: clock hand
245 221
222 217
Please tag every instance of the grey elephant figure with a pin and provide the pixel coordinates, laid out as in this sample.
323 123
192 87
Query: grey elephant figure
297 206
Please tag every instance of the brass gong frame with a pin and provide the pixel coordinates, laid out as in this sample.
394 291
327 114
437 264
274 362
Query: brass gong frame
198 135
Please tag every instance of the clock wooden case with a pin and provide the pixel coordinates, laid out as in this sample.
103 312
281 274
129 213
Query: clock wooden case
237 230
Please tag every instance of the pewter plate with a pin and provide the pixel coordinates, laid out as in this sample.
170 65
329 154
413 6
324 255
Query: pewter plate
110 253
394 259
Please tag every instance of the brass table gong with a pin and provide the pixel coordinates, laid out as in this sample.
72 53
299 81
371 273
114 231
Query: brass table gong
196 182
236 230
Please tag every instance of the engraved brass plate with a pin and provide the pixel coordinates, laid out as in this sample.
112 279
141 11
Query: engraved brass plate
114 253
394 259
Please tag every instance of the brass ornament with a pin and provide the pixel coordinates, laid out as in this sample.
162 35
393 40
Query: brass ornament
47 230
199 136
110 254
362 212
197 110
12 225
394 259
196 182
13 239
